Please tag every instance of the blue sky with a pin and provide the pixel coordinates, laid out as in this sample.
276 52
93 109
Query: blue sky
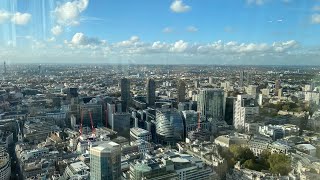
161 31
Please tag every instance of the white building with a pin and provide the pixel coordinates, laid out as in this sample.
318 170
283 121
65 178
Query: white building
312 97
252 90
245 110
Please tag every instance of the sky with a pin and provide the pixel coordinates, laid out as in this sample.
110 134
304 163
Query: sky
257 32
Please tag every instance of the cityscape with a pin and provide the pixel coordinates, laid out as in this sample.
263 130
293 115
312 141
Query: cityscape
74 106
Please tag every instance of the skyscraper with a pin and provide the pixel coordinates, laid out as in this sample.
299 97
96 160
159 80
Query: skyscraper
4 68
181 91
241 78
169 126
105 162
277 86
245 110
125 93
151 92
210 103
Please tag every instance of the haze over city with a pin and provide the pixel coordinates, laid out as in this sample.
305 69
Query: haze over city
159 90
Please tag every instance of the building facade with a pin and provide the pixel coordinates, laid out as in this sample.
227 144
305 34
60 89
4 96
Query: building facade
105 162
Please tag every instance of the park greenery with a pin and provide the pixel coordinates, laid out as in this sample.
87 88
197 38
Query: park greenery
275 163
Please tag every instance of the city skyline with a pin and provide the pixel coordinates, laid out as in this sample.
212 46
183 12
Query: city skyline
255 32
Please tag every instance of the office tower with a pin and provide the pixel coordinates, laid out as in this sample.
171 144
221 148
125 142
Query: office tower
72 92
241 79
245 111
169 126
252 90
194 121
105 161
125 94
121 123
196 84
228 116
210 80
88 111
248 78
181 91
277 86
151 92
210 104
4 68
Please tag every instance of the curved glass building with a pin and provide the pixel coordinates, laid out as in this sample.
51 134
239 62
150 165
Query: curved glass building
169 126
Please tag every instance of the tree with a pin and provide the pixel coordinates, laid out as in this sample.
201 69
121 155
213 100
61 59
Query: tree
241 153
279 164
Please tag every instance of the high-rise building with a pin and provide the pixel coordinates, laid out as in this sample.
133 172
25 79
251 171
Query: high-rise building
93 110
125 93
105 162
169 126
241 79
248 78
211 80
196 84
121 123
228 115
210 104
181 91
151 92
277 86
246 109
4 68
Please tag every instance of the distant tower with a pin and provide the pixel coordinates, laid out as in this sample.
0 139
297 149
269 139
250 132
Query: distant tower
196 84
241 78
151 92
39 70
4 68
181 91
248 78
277 86
125 93
210 104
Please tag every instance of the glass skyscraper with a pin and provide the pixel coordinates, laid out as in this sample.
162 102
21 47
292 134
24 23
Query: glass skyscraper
210 104
169 126
105 162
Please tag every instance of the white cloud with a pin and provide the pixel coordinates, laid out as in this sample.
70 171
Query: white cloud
4 16
16 18
68 13
132 41
256 2
21 18
192 29
315 19
178 6
80 39
56 30
167 30
179 46
284 46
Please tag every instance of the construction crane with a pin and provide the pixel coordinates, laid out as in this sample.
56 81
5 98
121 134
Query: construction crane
92 125
91 122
